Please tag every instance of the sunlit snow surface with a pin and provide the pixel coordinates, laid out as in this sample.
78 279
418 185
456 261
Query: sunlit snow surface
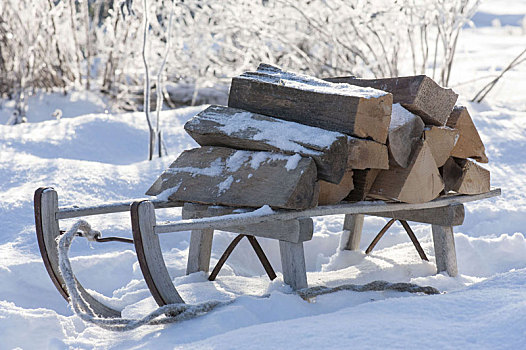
94 158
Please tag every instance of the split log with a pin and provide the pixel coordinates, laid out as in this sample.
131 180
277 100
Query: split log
405 131
418 183
223 176
367 154
466 177
419 94
469 144
441 140
361 112
451 173
363 181
236 128
335 193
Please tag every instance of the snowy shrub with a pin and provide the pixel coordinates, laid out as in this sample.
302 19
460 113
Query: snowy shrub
50 44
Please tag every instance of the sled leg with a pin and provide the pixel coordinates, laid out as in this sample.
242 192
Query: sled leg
352 232
293 264
47 230
445 254
199 251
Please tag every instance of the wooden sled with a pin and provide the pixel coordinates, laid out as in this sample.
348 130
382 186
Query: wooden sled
291 228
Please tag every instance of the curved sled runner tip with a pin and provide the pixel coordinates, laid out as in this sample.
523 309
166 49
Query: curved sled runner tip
47 230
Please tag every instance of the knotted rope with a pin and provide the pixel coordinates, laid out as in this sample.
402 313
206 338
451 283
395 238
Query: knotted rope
178 312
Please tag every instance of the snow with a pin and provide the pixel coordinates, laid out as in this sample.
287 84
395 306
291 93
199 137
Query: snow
92 157
304 82
399 116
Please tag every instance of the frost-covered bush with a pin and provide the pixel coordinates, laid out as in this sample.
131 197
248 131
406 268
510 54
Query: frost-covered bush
49 44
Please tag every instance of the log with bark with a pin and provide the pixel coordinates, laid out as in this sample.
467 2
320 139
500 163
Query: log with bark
357 111
224 176
362 182
236 128
419 94
405 131
335 193
465 176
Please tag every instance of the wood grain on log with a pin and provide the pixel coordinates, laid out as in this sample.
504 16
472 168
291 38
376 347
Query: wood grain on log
361 112
218 175
473 178
335 193
419 182
405 131
441 140
367 154
419 94
469 144
236 128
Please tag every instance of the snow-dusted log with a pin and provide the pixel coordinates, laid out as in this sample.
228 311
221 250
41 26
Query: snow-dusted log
441 140
419 94
236 128
419 182
469 144
224 176
356 111
405 131
335 193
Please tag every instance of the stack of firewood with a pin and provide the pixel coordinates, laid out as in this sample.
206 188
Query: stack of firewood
293 141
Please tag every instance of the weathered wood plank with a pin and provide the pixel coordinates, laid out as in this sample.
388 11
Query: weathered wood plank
469 144
419 94
293 264
405 131
335 193
352 232
445 255
441 140
236 128
262 215
361 112
419 182
294 231
367 154
363 181
150 256
217 175
452 215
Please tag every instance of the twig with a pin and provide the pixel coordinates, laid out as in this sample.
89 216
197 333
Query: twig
488 87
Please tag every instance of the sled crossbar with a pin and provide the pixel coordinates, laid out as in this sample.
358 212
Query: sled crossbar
369 207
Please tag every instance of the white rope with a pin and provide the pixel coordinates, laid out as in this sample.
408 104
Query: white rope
179 312
176 312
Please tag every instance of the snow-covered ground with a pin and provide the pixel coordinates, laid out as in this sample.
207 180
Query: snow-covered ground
94 158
